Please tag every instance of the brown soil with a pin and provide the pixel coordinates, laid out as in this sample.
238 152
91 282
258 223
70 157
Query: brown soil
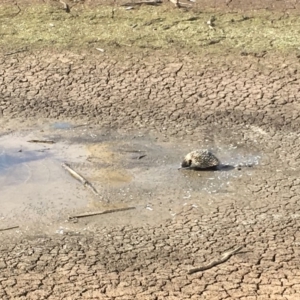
184 99
173 94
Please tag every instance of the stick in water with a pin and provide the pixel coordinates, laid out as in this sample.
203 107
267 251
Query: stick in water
80 178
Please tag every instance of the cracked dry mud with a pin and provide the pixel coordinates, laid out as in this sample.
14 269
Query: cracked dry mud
243 106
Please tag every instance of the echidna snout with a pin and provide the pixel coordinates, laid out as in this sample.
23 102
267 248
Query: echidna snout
186 163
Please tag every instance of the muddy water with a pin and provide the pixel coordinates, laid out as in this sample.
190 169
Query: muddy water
126 170
33 186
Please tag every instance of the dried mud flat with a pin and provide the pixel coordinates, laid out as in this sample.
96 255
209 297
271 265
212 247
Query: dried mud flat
162 103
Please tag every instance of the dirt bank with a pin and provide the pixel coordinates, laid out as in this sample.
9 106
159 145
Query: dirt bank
170 93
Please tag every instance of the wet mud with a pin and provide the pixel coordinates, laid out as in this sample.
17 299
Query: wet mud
127 169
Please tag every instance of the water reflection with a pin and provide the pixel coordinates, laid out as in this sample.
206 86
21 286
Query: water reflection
16 158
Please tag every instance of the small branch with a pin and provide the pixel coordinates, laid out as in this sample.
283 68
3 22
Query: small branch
80 178
9 228
96 213
221 260
41 141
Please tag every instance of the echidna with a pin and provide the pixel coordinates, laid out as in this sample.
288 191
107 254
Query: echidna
200 159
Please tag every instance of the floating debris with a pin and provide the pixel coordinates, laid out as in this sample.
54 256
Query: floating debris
41 141
80 178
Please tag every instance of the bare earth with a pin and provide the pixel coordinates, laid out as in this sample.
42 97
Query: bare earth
164 101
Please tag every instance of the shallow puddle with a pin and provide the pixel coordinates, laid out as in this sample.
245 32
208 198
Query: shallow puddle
34 187
126 170
62 125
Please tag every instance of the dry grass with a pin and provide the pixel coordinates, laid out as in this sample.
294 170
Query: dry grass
40 26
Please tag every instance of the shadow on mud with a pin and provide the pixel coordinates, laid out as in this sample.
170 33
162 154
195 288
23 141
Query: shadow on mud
225 168
218 168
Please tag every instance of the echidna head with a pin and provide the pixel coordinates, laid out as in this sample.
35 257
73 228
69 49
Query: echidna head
186 163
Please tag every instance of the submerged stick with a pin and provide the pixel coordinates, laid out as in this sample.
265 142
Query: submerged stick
41 141
101 212
9 228
80 178
74 174
225 256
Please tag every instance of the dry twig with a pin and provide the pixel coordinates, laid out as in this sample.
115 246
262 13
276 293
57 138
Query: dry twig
96 213
225 256
9 228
